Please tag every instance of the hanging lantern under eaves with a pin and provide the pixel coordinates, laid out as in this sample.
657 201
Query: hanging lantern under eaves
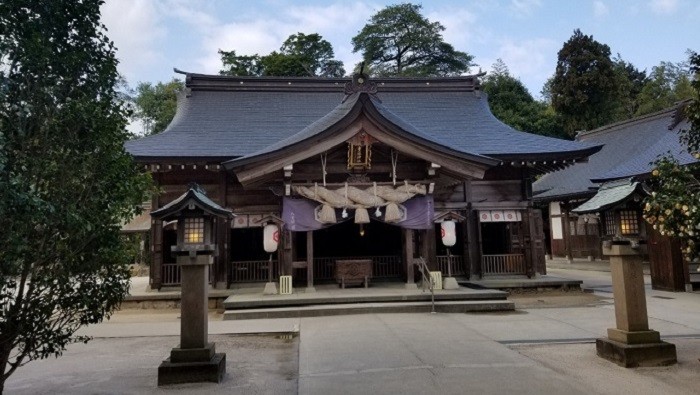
271 238
447 233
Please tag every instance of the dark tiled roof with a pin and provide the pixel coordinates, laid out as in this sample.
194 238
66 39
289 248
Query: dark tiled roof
194 195
609 195
228 117
628 149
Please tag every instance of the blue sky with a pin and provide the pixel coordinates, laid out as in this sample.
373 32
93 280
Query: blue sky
153 36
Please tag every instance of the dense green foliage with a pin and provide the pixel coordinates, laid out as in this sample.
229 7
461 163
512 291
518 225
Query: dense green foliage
399 41
156 104
674 207
301 55
66 183
668 83
585 86
511 102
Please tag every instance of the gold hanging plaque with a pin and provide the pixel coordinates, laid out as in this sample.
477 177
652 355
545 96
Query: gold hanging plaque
360 151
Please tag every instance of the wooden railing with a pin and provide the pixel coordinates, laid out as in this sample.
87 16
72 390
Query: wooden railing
171 275
458 267
382 266
252 271
503 264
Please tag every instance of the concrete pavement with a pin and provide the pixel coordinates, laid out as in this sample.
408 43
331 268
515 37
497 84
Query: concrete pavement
529 351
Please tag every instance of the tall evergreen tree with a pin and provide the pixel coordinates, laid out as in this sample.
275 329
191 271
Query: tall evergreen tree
513 104
66 183
400 41
585 88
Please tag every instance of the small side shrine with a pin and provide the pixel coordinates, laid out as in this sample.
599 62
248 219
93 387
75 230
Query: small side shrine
194 359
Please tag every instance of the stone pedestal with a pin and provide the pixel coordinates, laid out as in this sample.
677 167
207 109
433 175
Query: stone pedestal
270 289
631 343
194 360
449 283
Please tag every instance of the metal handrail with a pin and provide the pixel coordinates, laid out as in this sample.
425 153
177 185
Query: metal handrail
425 273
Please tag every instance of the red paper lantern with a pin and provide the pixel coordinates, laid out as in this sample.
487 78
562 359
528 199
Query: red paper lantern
271 238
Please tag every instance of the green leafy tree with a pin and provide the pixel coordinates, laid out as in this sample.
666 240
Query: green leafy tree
399 41
66 183
301 55
673 208
668 83
314 54
513 104
156 104
585 88
631 81
240 65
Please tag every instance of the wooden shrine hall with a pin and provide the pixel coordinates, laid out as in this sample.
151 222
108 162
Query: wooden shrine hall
380 171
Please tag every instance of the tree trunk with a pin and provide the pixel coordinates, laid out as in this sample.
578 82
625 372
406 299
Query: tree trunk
5 350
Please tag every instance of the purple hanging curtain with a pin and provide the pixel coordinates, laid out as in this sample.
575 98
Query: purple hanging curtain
298 214
420 213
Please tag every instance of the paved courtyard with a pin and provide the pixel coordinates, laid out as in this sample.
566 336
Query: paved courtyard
534 350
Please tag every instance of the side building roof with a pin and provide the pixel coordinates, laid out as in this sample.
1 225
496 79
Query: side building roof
224 118
629 148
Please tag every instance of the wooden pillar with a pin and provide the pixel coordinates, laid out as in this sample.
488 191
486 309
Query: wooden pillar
477 250
310 261
530 245
223 228
285 252
566 228
430 248
466 252
156 241
408 257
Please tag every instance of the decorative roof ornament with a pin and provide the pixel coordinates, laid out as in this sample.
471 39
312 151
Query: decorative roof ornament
360 83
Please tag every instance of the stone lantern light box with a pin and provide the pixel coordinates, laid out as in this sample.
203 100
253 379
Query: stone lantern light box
194 359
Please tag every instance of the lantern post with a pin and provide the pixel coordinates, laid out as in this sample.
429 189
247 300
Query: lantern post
194 359
271 239
448 236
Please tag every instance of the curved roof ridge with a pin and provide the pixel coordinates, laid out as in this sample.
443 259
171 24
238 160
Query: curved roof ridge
670 112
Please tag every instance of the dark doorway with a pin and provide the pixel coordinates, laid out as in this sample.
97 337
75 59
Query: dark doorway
247 245
348 239
495 238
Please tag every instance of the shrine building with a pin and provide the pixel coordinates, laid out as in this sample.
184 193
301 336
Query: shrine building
387 171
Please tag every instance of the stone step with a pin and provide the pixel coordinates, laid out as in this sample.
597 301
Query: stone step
461 306
239 302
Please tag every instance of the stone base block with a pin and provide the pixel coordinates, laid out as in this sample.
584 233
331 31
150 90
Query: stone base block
309 290
178 355
634 355
192 372
411 286
270 289
636 337
449 283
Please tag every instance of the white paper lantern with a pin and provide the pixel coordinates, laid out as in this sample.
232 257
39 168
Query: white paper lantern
271 238
447 232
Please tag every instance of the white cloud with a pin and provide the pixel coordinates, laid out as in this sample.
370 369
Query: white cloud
663 6
136 27
524 8
337 23
600 9
529 60
459 26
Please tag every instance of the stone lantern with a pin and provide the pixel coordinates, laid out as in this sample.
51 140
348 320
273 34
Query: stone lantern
195 359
